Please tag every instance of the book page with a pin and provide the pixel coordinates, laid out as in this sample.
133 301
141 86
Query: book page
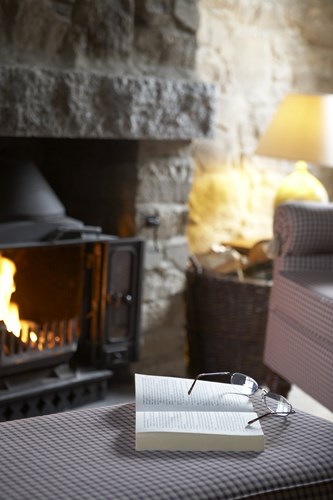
220 423
154 393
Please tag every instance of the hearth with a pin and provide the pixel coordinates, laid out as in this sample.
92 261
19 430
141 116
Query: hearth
76 292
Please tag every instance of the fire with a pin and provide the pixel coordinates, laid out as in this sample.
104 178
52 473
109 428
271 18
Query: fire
9 311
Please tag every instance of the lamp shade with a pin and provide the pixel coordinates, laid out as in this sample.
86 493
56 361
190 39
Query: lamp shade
302 129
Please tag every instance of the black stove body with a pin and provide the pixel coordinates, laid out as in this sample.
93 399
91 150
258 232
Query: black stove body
78 293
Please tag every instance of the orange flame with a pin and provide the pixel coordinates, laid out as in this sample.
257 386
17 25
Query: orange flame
9 311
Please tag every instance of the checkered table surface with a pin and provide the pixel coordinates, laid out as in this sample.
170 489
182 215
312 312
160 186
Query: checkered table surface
89 454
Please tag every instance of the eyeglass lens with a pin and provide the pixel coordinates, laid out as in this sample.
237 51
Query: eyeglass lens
277 403
244 384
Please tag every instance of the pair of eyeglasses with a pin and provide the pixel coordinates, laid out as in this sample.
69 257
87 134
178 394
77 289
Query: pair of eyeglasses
247 386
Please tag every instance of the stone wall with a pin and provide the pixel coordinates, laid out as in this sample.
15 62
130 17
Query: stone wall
124 36
255 52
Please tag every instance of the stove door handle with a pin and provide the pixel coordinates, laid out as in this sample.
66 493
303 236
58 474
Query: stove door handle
117 299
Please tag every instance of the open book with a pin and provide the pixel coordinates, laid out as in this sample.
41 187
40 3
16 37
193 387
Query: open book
211 418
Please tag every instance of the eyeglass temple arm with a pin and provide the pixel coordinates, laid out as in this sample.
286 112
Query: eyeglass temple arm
271 413
214 374
258 418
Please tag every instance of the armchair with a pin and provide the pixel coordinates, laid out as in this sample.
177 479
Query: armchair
299 334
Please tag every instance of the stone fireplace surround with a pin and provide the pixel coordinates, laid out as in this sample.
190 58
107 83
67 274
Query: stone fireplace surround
103 97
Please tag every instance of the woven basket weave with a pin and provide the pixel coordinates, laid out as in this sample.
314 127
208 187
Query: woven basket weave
226 323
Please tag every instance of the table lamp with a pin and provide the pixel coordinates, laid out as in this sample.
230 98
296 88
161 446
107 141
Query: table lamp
301 130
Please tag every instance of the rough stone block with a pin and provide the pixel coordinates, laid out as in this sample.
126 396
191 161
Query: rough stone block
177 252
100 30
163 180
163 349
153 256
186 13
314 18
45 102
152 13
34 31
166 47
163 282
173 219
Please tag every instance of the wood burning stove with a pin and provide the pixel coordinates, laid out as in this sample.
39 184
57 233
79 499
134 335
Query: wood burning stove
77 294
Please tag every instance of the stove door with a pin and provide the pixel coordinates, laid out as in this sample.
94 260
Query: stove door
123 301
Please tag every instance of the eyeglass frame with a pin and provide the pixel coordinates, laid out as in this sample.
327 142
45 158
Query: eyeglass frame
264 394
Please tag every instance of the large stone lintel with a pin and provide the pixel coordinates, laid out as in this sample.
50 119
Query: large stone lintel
42 102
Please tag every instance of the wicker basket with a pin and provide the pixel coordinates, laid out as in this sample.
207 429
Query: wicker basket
226 323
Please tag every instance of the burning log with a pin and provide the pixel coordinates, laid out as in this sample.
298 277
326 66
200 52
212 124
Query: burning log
10 343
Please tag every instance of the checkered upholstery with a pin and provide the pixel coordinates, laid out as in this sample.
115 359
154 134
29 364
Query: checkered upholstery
307 297
304 228
299 336
298 356
89 454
